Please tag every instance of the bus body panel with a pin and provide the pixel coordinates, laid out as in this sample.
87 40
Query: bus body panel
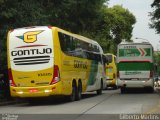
136 83
39 91
32 60
24 51
135 51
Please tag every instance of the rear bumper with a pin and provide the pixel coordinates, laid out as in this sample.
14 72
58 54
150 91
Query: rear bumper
40 91
136 83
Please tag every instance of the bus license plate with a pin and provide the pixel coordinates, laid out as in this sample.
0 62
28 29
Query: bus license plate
33 90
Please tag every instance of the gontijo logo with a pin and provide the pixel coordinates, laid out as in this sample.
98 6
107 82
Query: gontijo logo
30 37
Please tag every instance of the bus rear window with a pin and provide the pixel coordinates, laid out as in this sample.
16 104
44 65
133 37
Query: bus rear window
109 58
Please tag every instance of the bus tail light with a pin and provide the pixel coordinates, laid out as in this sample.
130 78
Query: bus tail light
56 75
50 27
11 81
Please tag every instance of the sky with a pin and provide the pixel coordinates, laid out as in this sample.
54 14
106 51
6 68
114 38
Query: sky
140 9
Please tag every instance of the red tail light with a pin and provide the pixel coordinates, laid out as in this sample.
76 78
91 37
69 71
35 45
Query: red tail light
151 74
50 27
56 75
11 81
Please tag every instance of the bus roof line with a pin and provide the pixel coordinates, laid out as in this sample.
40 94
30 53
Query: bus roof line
135 61
135 44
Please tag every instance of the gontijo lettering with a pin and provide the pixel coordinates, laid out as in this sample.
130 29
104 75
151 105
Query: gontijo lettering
31 52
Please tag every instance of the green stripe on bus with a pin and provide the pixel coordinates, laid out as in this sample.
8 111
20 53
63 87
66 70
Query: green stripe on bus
141 66
93 72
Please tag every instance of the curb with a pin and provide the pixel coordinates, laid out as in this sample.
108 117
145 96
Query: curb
7 102
10 102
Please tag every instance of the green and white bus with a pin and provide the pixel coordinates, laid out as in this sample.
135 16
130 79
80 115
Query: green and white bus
135 66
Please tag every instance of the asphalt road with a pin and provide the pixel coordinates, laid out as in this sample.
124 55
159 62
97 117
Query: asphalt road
111 105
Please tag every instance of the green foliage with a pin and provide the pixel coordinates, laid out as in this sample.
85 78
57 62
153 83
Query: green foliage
157 62
155 16
90 18
122 24
113 25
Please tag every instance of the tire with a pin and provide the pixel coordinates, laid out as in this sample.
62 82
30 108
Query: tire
151 90
123 90
72 97
99 92
106 87
115 87
79 91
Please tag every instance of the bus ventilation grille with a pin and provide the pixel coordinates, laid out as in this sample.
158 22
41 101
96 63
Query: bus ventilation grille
31 60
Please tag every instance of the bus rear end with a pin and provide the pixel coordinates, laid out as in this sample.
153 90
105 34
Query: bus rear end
111 71
31 68
135 66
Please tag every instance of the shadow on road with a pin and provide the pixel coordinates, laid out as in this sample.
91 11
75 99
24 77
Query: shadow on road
138 91
56 100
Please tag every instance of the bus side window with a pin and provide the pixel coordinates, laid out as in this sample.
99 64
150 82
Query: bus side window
62 42
67 43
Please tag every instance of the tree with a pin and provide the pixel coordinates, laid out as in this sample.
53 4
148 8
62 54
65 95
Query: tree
114 25
18 13
72 15
90 18
155 16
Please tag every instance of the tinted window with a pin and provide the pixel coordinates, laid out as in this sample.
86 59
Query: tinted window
109 58
78 48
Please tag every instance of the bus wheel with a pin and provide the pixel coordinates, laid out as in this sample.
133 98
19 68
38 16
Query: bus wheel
123 90
115 87
99 92
150 90
79 91
72 97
